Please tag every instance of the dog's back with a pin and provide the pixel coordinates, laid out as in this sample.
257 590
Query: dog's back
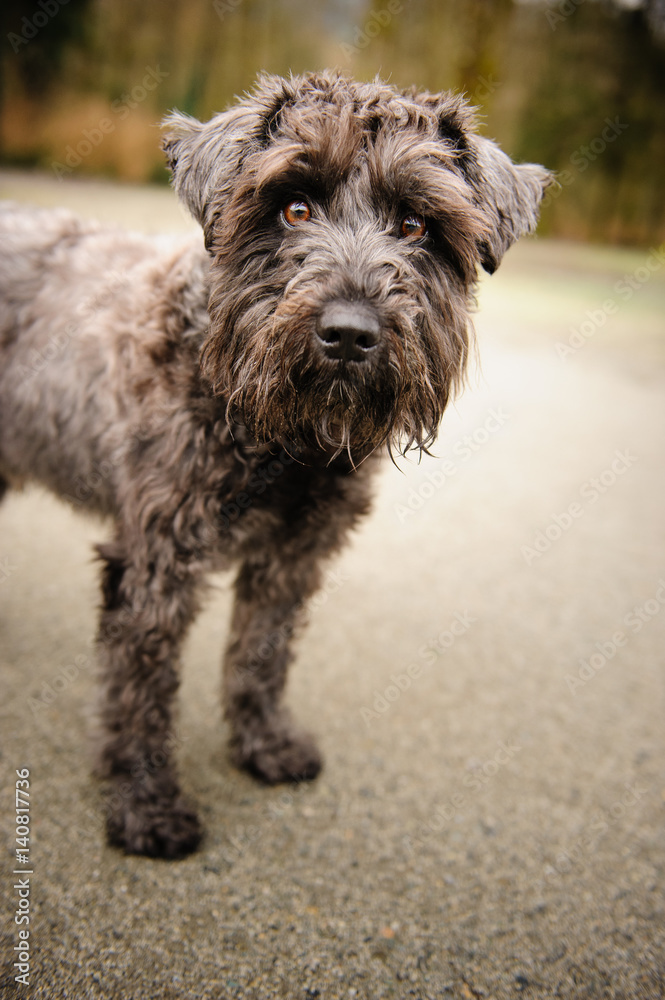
73 326
52 255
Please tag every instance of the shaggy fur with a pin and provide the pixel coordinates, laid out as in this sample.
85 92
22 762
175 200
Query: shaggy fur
227 405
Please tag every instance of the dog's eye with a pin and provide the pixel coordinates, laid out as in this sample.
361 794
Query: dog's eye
413 225
296 212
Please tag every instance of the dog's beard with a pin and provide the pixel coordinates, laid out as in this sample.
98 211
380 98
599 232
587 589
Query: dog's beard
261 358
324 411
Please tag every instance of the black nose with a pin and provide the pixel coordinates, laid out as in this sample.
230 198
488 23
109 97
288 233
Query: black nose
348 331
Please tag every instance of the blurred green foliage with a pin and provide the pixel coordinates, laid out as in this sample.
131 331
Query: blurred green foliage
548 77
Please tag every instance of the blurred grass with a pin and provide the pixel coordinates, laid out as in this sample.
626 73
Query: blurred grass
544 88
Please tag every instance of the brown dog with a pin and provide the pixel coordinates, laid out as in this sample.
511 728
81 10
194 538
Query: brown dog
228 404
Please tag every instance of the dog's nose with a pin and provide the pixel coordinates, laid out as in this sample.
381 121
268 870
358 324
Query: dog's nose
348 331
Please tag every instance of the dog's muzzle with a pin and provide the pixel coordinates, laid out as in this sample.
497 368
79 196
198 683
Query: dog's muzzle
348 331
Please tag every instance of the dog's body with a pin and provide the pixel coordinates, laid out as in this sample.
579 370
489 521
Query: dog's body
228 404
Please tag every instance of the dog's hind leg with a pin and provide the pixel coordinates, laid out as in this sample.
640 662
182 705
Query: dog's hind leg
148 603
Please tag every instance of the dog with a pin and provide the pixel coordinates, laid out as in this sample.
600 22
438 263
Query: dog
227 403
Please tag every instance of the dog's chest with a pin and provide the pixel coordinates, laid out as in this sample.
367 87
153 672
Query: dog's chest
277 500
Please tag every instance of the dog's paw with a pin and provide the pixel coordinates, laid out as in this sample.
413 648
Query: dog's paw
286 756
158 829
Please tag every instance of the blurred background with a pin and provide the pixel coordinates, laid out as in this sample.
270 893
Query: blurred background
576 84
417 865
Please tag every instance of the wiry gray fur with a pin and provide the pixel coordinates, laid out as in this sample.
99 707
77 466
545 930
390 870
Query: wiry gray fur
198 397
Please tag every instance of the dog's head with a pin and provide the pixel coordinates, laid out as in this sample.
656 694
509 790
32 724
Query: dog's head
345 223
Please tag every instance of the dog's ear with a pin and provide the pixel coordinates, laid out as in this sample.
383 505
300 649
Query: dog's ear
203 157
508 193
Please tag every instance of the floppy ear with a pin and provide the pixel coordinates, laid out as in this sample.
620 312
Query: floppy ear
508 193
203 157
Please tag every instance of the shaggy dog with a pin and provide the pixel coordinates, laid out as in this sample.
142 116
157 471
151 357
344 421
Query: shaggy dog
228 404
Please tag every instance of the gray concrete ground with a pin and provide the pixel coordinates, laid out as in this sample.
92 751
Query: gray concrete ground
485 674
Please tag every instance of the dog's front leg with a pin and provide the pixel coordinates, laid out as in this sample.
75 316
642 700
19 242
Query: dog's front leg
146 609
270 602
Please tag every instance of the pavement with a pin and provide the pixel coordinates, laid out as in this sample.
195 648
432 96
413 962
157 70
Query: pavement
484 671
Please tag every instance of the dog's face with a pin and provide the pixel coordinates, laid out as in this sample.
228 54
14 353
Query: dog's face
345 222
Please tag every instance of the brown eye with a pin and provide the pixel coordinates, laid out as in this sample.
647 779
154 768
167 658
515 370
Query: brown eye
413 225
296 212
